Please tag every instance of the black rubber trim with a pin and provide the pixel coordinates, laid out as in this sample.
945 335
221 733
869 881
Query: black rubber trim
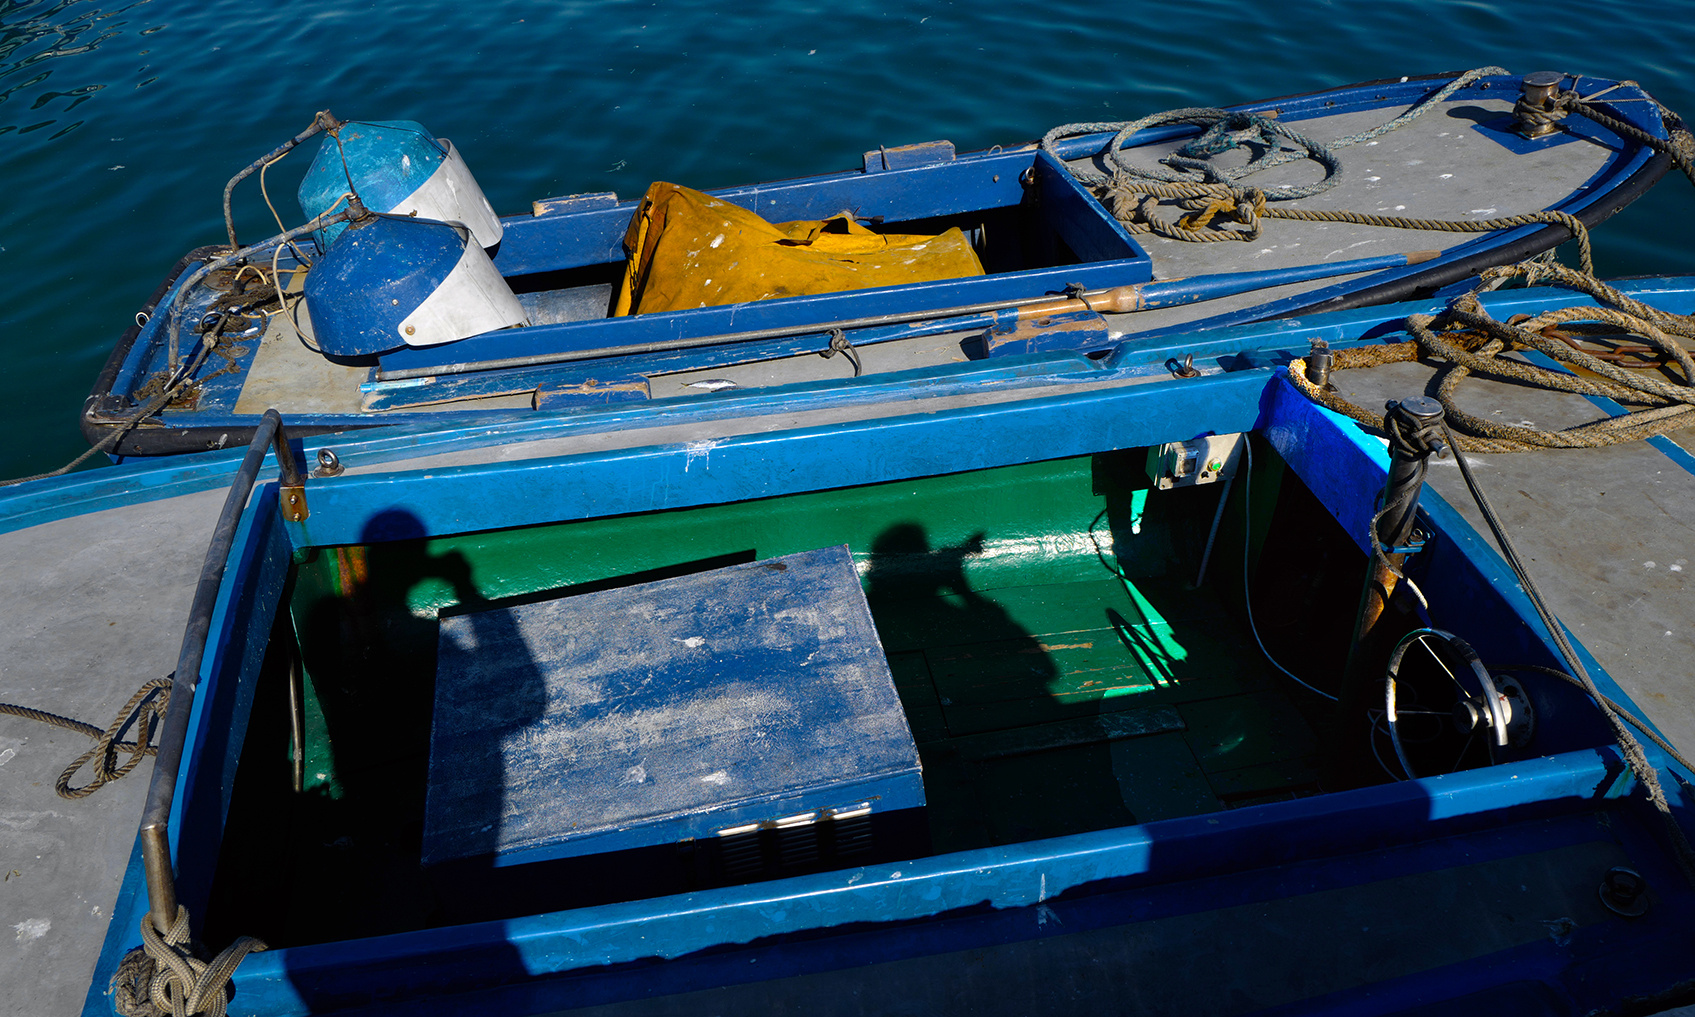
151 439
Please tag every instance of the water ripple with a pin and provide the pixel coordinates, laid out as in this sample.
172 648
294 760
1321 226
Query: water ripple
34 31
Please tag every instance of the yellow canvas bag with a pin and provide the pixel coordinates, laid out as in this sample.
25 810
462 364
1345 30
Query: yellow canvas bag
689 249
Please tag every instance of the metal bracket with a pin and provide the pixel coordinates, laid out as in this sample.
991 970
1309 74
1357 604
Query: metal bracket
293 501
1414 544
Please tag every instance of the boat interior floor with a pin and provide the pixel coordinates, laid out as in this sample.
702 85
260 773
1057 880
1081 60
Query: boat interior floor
1609 533
1059 669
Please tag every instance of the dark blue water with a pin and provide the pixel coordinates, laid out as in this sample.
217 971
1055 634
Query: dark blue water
120 122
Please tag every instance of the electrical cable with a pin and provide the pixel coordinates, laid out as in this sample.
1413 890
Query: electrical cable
1247 594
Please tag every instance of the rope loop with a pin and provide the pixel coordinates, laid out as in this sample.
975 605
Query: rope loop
146 712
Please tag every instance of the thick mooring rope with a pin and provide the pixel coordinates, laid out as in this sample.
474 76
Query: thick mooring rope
1464 340
1224 130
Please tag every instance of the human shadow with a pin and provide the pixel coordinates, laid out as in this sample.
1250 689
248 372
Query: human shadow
386 796
985 697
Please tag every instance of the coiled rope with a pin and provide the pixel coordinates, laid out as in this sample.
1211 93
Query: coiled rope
145 711
1225 130
1464 340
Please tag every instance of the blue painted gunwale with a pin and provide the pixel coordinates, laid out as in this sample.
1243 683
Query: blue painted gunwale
541 243
1338 461
1241 347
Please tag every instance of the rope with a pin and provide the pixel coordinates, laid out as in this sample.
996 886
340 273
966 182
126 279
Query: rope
1680 147
1478 349
1465 340
125 426
1224 130
144 710
163 976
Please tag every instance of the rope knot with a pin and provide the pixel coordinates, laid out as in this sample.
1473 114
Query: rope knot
165 977
1529 114
1233 130
1240 205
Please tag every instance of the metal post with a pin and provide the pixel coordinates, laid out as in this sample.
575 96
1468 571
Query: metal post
1414 428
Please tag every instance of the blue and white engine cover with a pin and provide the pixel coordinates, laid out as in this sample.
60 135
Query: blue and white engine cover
396 166
395 281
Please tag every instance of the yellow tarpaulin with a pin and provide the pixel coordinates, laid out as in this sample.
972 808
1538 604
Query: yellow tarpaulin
689 249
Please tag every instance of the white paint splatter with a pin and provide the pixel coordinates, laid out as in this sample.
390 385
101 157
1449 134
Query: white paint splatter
1447 176
717 778
701 449
1482 211
1648 564
32 928
692 642
716 240
637 774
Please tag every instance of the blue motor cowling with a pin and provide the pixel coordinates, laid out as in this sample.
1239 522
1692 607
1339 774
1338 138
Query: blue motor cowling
411 270
390 281
396 166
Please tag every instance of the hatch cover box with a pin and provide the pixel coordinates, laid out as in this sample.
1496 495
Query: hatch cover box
720 705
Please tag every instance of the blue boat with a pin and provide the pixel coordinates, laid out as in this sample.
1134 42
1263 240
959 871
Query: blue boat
427 311
964 699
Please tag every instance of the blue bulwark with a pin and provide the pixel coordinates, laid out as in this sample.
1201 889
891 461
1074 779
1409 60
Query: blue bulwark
755 695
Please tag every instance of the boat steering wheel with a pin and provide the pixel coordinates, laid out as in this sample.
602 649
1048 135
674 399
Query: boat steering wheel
1498 712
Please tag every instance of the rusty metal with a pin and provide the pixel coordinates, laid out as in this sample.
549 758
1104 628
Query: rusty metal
323 121
329 464
297 716
1184 368
1319 363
